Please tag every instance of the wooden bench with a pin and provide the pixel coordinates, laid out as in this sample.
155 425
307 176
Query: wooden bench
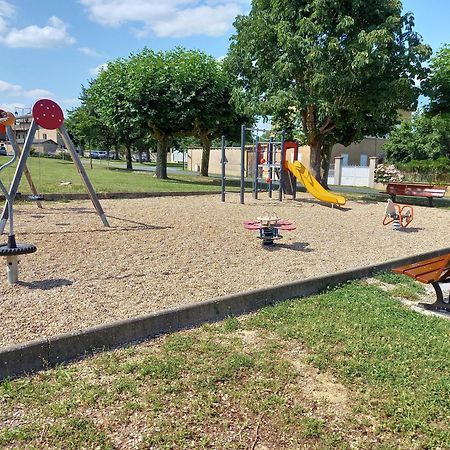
431 271
429 191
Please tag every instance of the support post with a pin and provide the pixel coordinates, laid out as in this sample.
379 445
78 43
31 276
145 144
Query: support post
87 182
338 170
223 162
12 269
26 172
372 166
242 164
256 168
282 158
270 165
18 173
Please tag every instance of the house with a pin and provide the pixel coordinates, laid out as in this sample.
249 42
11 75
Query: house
46 146
45 141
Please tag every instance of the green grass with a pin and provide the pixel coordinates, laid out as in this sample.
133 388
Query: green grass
48 173
351 368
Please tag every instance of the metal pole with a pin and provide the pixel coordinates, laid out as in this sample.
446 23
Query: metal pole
282 156
18 173
222 161
270 163
87 182
242 163
255 181
26 172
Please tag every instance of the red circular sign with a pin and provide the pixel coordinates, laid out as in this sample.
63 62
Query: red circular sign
48 114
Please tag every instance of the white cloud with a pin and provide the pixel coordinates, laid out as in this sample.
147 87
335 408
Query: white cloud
54 34
168 18
89 51
6 11
96 70
15 90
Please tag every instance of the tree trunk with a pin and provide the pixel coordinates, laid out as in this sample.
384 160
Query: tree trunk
327 148
316 157
161 157
116 150
206 144
128 155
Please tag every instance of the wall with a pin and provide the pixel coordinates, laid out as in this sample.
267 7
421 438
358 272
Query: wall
233 155
355 176
369 146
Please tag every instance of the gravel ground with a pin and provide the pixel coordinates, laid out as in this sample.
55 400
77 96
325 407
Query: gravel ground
163 252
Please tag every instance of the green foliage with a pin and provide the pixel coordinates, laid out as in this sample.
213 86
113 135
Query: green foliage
438 85
340 69
425 138
164 95
432 170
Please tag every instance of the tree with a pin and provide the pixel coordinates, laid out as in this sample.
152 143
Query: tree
211 110
109 96
87 130
437 87
182 93
426 137
342 67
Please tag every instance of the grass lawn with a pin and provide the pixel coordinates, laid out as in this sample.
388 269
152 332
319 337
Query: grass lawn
48 173
351 368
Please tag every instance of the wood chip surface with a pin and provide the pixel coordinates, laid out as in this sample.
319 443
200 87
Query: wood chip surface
164 252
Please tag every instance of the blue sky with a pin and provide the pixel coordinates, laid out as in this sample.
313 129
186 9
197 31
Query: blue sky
51 47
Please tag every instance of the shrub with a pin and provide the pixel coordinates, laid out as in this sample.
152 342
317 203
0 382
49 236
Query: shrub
387 173
429 170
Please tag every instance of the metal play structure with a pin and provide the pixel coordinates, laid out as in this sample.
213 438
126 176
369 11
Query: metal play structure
48 115
268 169
272 171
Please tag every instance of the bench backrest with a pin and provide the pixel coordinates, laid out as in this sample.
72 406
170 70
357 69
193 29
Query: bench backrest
416 189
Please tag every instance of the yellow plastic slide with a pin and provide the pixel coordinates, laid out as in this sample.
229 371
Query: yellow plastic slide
312 185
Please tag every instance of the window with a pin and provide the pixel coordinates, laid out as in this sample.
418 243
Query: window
363 160
44 135
344 159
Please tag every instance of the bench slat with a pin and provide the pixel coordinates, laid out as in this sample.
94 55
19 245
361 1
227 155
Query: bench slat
428 271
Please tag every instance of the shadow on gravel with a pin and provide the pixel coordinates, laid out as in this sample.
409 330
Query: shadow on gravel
296 246
46 285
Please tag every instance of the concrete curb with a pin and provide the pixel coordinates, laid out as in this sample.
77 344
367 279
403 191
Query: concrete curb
112 195
37 355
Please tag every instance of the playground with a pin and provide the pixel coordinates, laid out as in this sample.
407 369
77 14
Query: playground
163 252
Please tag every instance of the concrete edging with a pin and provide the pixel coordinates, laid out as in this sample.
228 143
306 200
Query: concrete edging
40 354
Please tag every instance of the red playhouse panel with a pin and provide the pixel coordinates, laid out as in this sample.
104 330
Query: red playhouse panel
48 114
2 124
6 119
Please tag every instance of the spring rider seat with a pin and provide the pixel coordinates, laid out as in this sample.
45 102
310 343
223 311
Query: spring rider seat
399 215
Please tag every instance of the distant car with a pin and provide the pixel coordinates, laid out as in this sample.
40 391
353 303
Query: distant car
99 154
135 157
3 151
